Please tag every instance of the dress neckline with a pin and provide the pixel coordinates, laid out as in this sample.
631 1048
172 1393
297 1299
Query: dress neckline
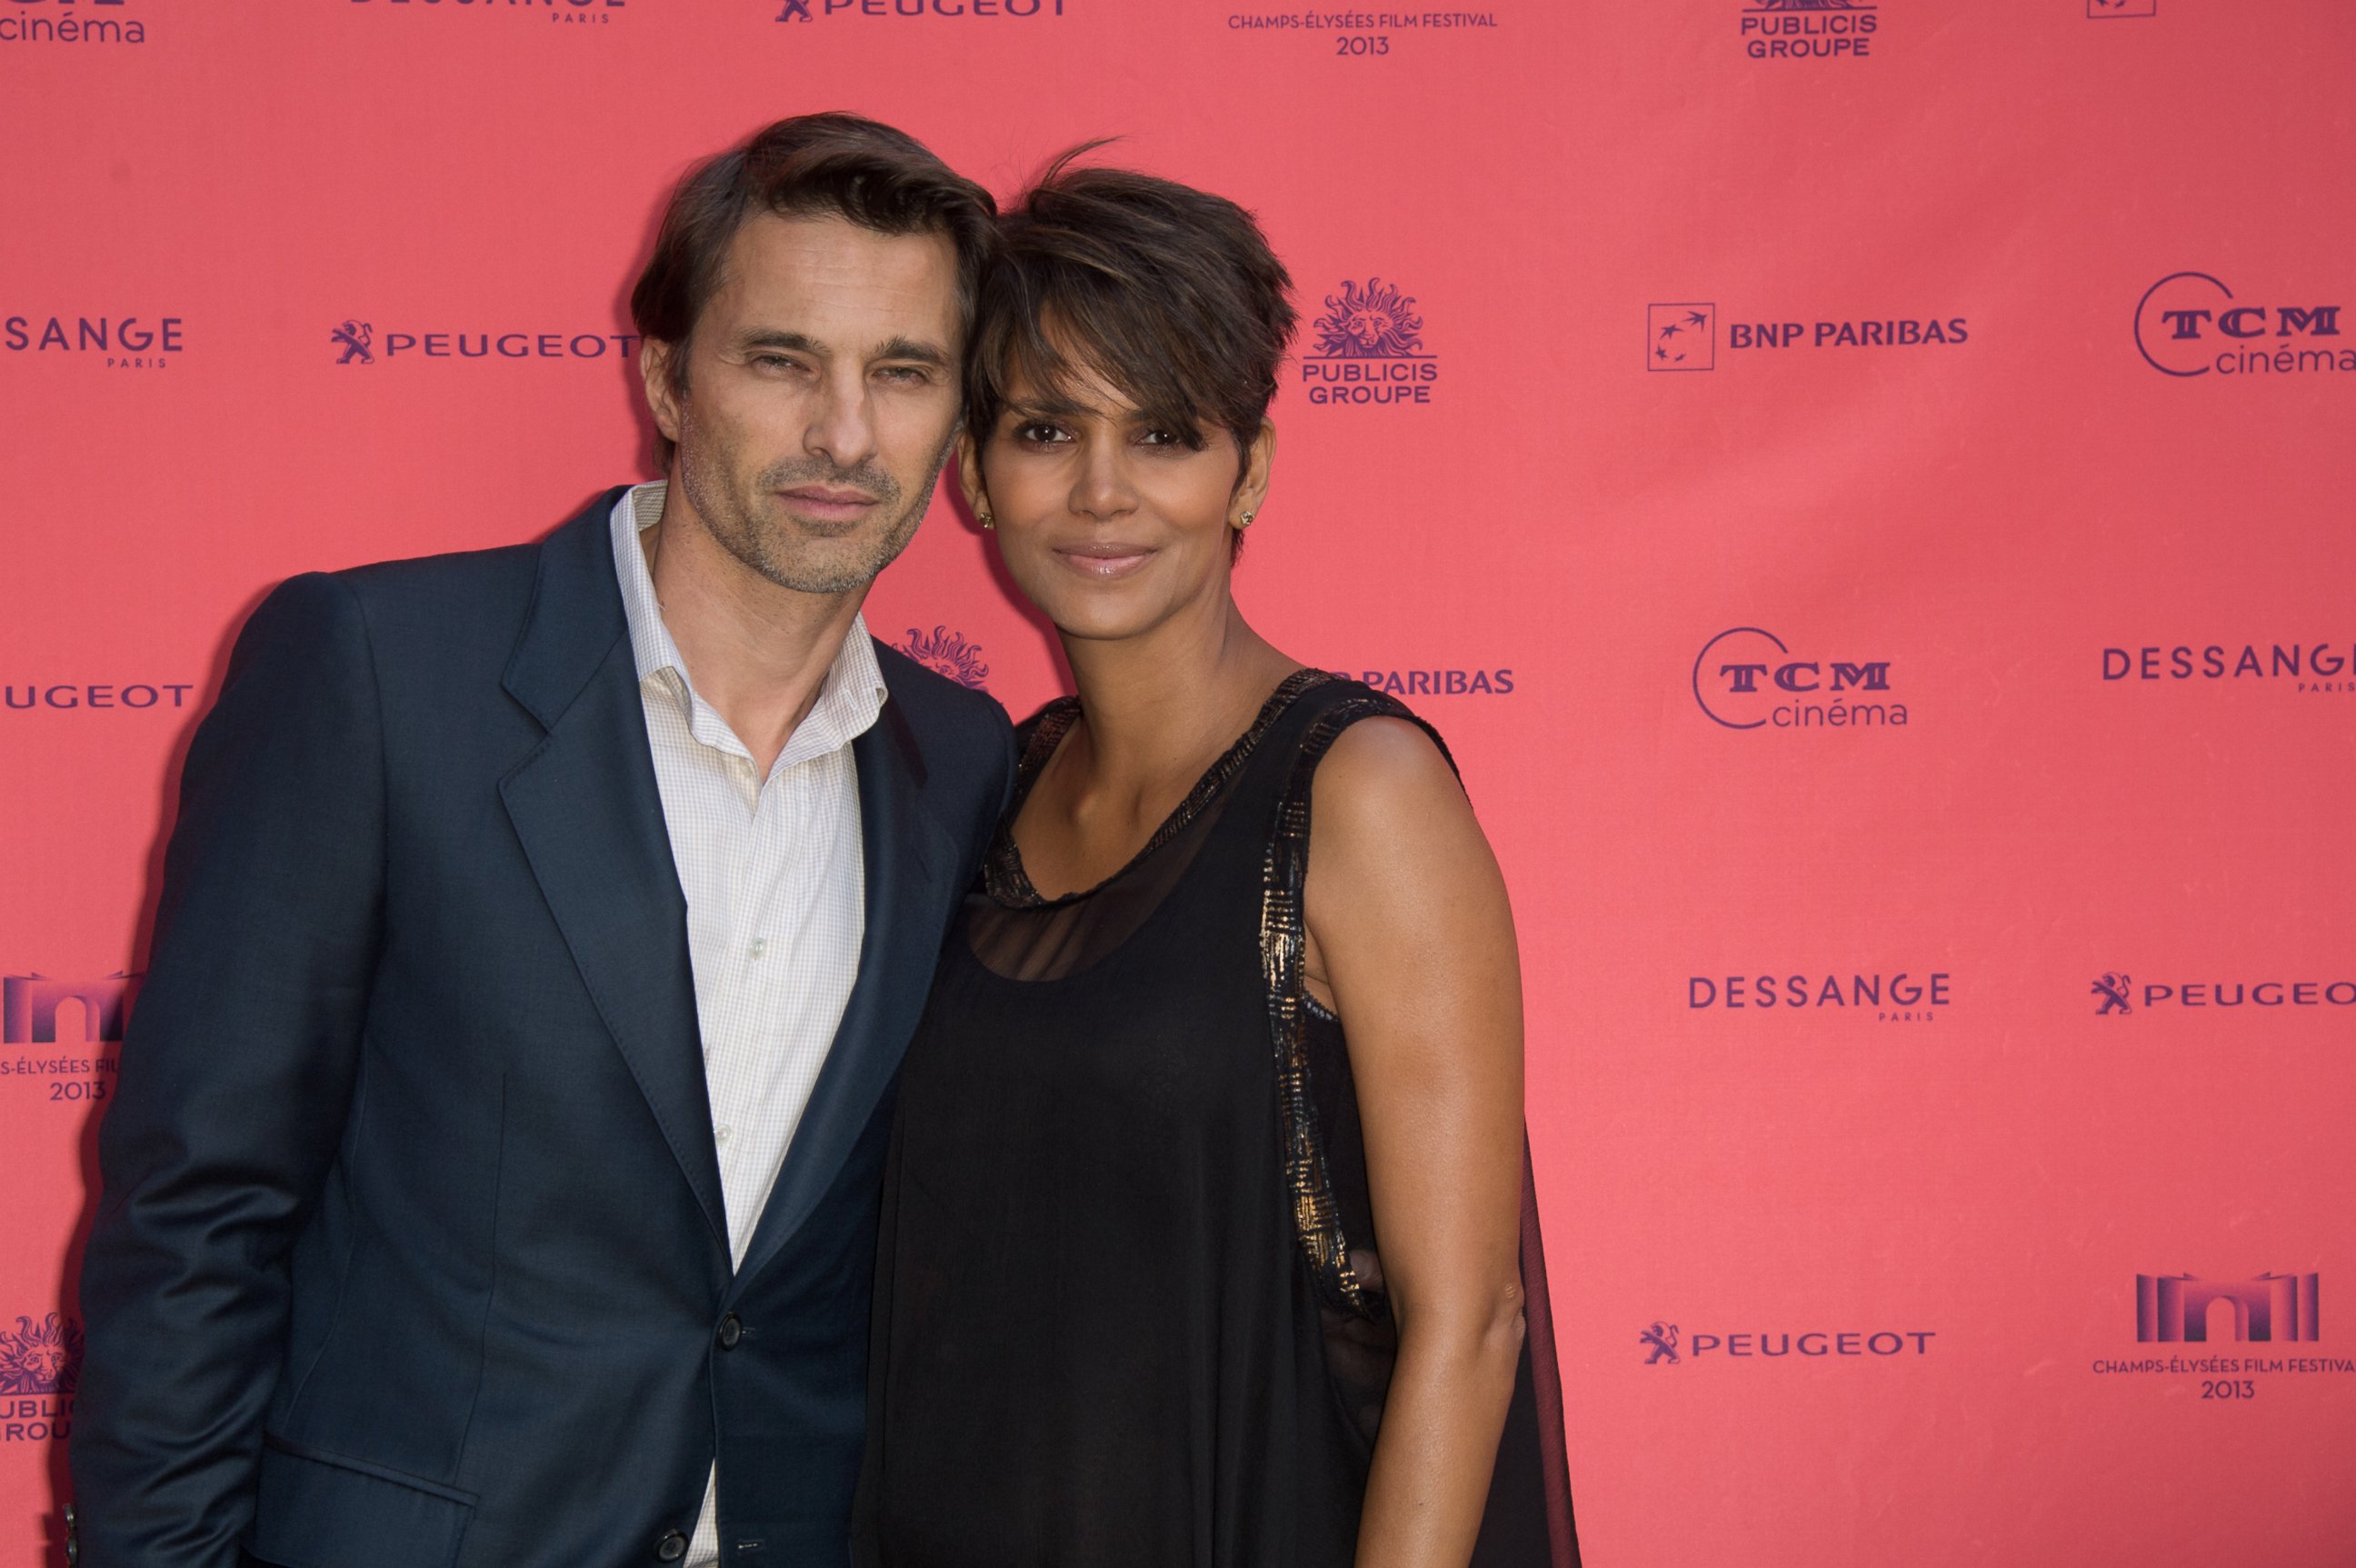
1003 876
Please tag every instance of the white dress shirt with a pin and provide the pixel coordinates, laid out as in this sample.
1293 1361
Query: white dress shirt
776 892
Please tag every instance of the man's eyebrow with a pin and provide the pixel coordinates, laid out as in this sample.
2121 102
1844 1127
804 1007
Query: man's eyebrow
913 351
777 338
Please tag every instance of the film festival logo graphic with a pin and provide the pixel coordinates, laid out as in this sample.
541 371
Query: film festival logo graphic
1369 347
30 1004
1746 678
945 652
2178 1308
1681 336
2099 10
2191 324
1809 29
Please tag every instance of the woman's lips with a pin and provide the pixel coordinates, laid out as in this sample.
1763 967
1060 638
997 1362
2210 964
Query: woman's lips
1105 561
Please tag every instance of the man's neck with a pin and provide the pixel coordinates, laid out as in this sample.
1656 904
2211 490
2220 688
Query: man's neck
757 653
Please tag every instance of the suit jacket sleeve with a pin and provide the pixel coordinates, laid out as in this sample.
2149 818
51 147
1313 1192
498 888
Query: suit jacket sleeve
237 1081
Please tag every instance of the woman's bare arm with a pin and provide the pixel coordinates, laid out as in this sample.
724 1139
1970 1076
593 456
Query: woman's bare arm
1411 941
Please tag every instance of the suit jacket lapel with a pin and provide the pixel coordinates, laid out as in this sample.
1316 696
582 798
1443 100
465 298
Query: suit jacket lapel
909 858
589 813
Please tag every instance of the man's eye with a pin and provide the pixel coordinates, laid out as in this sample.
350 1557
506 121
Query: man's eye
906 375
772 362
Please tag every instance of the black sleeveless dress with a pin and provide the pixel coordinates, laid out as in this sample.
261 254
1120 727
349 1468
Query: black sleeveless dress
1129 1305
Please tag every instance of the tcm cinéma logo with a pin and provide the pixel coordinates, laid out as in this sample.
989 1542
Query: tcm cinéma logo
2177 1308
2191 324
1747 678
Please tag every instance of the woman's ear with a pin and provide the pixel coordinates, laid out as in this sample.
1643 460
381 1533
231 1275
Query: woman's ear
969 482
1251 483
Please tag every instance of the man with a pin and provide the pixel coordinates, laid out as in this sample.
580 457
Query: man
493 1175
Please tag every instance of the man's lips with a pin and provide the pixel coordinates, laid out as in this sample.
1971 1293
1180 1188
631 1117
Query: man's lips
829 502
1104 559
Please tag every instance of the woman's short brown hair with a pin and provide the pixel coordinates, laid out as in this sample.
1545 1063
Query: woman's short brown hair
1168 294
830 164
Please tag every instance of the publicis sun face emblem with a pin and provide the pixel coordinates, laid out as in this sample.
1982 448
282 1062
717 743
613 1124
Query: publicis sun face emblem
2111 991
1660 1342
1681 336
43 1357
354 337
945 652
1369 347
2099 10
2172 1308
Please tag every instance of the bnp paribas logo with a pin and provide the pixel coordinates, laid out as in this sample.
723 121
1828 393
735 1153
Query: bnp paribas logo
1370 347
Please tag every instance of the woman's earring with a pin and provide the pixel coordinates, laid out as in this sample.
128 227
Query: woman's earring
987 521
1245 520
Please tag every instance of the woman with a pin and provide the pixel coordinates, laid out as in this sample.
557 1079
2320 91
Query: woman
1204 1236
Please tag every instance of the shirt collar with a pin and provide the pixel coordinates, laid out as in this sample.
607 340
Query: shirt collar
848 703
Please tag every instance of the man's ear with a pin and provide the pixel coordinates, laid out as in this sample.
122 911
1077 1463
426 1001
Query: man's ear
654 373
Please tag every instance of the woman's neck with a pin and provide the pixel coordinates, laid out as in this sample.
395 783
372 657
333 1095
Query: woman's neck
1165 704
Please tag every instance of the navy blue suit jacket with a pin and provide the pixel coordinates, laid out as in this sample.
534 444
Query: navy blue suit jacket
411 1251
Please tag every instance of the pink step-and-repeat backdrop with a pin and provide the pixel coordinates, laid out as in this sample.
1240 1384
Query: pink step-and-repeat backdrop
1864 485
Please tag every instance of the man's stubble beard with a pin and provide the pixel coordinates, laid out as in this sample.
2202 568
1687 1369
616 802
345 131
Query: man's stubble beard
773 551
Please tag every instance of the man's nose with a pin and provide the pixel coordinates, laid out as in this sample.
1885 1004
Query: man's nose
842 423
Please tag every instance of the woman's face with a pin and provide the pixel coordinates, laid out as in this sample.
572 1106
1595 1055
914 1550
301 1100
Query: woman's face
1110 524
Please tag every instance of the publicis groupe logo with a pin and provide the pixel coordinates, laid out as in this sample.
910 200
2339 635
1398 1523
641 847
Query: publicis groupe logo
945 652
2191 324
1901 996
567 12
71 22
2105 10
115 342
911 10
40 1367
358 342
2117 993
1747 678
1684 335
1369 347
2305 669
1663 1345
1809 29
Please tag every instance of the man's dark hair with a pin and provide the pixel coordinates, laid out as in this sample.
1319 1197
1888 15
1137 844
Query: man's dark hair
1168 294
828 165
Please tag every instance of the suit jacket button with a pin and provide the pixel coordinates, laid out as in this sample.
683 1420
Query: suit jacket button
730 1332
671 1547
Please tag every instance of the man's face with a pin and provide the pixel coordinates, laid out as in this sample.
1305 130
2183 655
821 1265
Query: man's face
821 395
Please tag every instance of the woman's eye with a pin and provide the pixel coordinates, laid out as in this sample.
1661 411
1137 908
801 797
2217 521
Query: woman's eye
1039 435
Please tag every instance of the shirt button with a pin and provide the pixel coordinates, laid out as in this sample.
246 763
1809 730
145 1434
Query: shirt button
731 1332
671 1547
760 946
724 1134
